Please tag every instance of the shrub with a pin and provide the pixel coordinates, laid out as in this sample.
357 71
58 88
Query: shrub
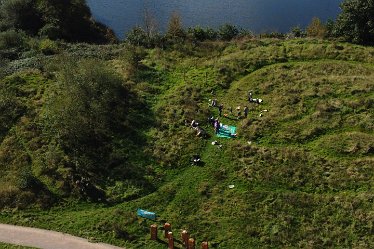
227 32
175 30
12 39
84 117
297 32
137 37
50 31
316 28
48 47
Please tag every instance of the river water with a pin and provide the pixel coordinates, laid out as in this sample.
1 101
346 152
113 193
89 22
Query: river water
255 15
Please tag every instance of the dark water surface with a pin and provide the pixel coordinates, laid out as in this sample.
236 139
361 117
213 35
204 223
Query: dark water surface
255 15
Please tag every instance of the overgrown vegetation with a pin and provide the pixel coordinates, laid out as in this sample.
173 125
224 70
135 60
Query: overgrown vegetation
302 170
57 19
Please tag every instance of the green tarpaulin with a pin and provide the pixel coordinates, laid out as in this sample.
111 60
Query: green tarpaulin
227 131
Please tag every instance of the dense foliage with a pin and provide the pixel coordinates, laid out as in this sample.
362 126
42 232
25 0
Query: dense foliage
356 21
57 19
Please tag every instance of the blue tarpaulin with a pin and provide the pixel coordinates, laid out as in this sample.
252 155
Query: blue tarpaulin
146 214
226 131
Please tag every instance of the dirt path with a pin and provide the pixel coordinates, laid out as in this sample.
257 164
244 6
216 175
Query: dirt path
46 239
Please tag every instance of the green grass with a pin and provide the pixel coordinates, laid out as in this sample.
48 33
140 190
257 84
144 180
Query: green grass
9 246
302 172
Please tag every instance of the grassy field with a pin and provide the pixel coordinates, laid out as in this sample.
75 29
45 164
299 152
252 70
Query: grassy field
302 164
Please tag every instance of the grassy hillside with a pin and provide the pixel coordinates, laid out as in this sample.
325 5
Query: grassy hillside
301 166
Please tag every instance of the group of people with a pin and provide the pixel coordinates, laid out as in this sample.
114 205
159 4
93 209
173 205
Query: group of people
230 110
214 103
253 100
215 123
200 132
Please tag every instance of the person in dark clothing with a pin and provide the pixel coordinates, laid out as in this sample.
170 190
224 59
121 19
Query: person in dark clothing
250 96
245 111
220 108
194 124
211 120
196 159
214 102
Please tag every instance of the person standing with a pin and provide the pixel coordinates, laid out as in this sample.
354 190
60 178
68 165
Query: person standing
216 126
238 112
245 111
220 108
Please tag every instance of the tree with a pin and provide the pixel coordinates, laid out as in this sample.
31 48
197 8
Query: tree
197 33
330 25
20 14
356 21
84 111
175 29
137 36
316 28
71 20
227 32
150 23
297 32
201 34
57 19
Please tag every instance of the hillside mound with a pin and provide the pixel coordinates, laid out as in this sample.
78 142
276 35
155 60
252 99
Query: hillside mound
298 173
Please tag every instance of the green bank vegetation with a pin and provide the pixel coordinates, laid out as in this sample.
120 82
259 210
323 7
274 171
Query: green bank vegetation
89 133
8 246
302 171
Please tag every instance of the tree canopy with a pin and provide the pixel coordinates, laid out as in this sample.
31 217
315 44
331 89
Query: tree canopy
70 20
356 21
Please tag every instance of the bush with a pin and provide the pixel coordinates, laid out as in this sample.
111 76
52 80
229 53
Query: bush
137 37
276 35
227 32
316 28
12 39
133 55
175 32
84 113
297 32
48 47
50 31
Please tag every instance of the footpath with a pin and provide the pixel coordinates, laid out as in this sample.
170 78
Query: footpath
45 239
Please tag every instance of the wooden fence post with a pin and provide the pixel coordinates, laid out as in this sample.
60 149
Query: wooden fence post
191 243
167 228
170 240
185 237
154 232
